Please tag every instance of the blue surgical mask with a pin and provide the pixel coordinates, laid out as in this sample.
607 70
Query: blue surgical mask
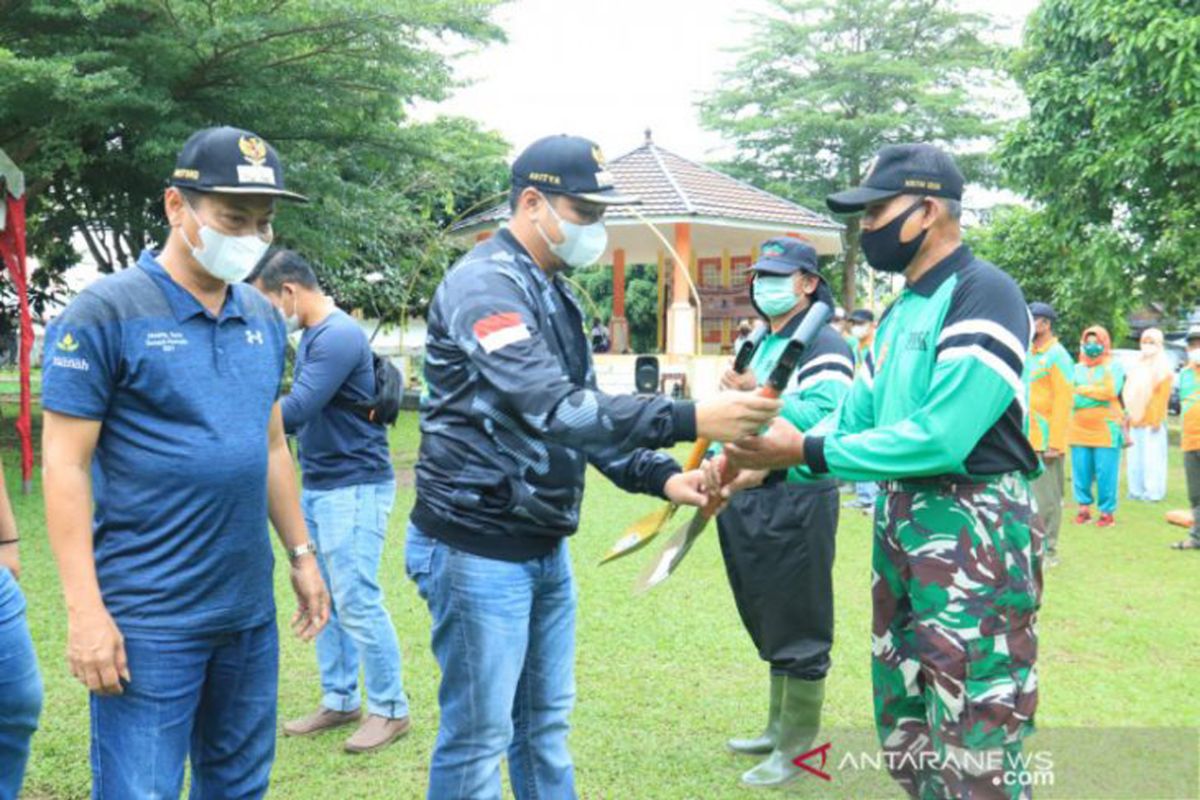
774 294
582 245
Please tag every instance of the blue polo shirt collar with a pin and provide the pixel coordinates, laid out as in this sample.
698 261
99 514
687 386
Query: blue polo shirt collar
183 304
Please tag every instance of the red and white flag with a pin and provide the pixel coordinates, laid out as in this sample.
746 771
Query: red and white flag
500 330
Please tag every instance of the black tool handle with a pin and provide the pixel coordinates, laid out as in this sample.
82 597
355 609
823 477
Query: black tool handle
817 317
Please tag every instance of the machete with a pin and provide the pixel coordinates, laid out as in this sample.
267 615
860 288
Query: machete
639 534
681 542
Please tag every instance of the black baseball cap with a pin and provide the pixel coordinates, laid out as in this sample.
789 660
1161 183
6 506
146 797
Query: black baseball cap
569 165
784 255
1043 310
902 169
230 160
862 315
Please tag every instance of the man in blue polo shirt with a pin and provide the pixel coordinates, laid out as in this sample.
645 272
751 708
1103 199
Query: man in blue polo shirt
160 388
349 491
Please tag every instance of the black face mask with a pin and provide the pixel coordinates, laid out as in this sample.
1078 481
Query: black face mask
883 248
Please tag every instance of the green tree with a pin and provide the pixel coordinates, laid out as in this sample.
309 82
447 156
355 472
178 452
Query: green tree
1083 278
641 301
824 83
96 97
1111 145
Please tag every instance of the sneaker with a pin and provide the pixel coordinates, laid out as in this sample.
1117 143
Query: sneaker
376 733
1105 521
1052 561
323 719
1083 517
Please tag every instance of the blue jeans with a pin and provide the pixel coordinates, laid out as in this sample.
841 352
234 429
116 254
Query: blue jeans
349 525
504 636
1146 466
20 687
1099 464
211 698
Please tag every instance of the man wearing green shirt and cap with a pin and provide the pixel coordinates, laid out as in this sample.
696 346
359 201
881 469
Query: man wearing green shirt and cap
778 538
938 417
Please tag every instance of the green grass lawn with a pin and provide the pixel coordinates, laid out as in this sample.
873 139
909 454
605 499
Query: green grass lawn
663 679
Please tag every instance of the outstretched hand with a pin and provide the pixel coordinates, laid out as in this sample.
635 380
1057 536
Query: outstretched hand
743 479
779 447
686 488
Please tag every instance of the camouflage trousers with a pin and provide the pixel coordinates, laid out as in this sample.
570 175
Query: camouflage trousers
956 583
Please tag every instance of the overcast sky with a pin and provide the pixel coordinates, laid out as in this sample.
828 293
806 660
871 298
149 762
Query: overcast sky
608 70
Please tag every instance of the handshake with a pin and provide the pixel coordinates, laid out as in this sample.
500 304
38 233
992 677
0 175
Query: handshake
756 441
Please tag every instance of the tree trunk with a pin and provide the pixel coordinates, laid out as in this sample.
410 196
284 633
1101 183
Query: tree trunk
850 265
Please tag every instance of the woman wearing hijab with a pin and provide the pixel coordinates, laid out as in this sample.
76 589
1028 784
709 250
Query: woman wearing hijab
1146 394
1095 430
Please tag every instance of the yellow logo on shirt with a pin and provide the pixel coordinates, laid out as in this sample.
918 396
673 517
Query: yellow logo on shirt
68 344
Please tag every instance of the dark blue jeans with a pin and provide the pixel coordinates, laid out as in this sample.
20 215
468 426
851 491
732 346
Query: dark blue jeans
504 636
210 699
20 687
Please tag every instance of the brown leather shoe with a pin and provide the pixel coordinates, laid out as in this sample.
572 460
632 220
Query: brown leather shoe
322 719
376 733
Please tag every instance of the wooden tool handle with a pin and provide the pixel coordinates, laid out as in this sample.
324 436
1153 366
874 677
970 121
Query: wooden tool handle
697 455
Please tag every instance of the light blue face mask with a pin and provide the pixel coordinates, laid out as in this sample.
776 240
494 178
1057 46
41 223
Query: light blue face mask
774 294
582 245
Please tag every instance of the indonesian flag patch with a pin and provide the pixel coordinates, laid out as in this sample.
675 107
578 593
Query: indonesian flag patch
500 330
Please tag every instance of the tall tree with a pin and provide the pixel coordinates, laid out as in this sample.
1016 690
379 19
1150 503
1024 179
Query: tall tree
641 301
824 83
1112 141
1082 277
96 97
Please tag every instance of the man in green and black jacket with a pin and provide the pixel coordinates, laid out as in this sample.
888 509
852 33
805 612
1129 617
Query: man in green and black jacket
937 416
778 538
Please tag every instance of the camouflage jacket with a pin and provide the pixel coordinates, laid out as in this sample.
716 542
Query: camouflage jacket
512 416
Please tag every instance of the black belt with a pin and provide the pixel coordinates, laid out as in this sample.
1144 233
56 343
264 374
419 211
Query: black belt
943 483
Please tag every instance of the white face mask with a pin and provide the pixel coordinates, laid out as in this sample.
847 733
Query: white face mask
1194 356
226 258
293 321
582 245
859 331
1149 348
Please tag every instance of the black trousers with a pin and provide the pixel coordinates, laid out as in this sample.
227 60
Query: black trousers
778 544
1191 470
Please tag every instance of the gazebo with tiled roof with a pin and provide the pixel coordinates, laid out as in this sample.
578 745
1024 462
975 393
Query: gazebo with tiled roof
716 224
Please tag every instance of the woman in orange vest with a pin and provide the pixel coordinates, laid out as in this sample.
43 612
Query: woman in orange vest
1189 400
1146 394
1095 430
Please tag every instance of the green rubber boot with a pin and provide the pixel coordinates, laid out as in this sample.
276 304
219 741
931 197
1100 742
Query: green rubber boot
799 721
764 743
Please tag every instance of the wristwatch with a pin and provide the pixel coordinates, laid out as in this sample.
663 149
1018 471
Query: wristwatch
296 552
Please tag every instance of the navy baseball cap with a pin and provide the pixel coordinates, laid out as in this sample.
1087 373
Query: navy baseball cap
229 160
784 255
862 315
569 165
1043 310
902 169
